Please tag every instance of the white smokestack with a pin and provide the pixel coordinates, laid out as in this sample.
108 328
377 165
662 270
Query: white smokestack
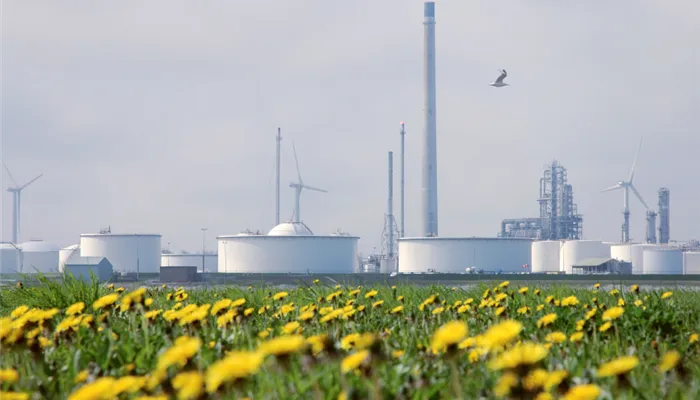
429 189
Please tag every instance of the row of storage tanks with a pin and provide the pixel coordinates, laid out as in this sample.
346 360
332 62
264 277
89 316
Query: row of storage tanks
293 248
562 255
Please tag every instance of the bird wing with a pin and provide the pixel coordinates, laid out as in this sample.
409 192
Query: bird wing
502 76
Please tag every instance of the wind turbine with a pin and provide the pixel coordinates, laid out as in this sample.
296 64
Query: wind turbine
627 185
299 186
16 202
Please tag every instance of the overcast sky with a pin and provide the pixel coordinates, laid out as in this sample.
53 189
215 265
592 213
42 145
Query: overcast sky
160 117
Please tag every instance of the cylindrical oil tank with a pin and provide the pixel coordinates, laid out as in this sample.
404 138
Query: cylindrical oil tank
622 252
9 259
66 254
455 255
208 263
545 256
126 252
288 249
574 251
637 251
39 256
663 261
691 263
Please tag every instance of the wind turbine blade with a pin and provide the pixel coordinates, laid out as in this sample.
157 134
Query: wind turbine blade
10 174
635 160
30 182
313 188
296 161
611 188
639 196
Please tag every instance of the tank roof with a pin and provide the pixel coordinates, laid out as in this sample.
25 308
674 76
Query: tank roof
118 234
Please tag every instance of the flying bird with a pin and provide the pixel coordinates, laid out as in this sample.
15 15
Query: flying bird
499 82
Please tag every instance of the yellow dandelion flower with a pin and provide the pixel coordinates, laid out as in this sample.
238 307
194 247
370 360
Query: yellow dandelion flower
105 301
546 320
101 388
236 365
666 295
638 302
535 379
669 361
520 354
76 308
583 392
505 383
499 311
397 310
450 334
291 328
554 378
613 313
619 366
283 345
263 334
591 314
81 377
523 310
307 315
576 337
354 361
438 310
371 294
569 301
188 385
397 353
523 290
8 375
179 353
544 396
540 307
556 337
280 295
14 395
693 338
620 302
605 327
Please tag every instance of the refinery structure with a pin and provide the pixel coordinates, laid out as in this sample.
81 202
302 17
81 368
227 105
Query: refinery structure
551 243
559 218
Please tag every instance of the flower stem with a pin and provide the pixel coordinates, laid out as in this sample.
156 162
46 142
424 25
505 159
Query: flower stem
456 387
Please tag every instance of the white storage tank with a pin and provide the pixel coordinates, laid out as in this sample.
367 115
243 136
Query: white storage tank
39 256
574 251
637 252
9 259
545 256
66 254
622 252
126 252
455 255
691 263
288 248
208 263
663 261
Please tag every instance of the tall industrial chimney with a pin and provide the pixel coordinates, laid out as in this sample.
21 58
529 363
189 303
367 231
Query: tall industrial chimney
403 183
390 207
664 216
429 189
277 178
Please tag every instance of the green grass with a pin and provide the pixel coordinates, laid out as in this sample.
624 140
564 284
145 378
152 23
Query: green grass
648 333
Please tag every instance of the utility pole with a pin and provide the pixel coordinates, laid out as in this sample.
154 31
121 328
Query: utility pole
204 236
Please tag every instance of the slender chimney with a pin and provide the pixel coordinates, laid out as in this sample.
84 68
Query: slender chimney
277 178
403 181
429 189
390 207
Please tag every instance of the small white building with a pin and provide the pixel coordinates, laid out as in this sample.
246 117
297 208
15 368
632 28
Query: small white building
289 247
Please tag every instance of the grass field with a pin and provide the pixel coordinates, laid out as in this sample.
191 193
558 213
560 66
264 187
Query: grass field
86 341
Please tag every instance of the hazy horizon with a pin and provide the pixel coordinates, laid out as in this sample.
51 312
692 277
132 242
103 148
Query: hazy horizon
161 118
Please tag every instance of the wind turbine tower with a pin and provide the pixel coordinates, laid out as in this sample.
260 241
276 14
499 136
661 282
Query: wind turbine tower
298 187
403 176
16 203
429 186
626 186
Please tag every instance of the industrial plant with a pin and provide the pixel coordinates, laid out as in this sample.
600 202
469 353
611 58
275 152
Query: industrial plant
559 218
551 243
